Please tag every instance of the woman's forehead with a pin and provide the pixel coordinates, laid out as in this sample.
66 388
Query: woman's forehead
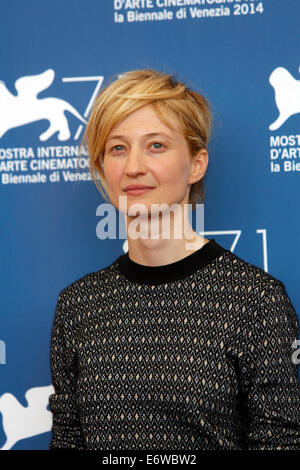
149 119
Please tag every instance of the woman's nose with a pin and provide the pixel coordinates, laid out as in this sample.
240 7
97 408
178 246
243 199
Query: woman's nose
135 161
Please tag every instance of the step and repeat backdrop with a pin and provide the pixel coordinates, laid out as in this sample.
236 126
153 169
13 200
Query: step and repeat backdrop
243 55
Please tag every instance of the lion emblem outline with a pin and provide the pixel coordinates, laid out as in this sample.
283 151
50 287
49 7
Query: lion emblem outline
287 95
26 108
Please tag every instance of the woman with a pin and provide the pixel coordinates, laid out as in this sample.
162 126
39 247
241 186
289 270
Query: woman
178 344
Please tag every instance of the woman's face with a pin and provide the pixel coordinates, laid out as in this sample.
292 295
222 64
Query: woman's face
141 150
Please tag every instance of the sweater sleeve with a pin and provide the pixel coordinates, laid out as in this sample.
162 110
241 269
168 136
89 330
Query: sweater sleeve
66 430
268 371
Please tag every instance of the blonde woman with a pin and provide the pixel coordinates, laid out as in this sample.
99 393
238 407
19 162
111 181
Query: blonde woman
178 344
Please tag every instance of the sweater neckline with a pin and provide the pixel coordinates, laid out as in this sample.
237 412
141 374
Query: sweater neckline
144 274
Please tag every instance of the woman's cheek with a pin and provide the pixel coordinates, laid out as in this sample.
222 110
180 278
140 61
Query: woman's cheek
113 173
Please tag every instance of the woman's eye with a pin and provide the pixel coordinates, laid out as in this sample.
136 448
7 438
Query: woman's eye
154 145
157 145
116 149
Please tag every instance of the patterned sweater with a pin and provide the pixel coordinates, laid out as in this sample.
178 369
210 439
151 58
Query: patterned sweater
192 355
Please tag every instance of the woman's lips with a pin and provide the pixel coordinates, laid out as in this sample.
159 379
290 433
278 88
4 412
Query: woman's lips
137 192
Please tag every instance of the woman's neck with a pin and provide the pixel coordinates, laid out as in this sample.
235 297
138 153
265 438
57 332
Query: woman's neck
162 250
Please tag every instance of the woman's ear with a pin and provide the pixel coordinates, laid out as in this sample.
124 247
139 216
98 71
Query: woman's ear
199 165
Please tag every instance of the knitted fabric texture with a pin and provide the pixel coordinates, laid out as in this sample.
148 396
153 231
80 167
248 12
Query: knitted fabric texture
193 355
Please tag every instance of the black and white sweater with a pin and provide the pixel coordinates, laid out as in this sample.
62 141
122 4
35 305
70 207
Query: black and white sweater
192 355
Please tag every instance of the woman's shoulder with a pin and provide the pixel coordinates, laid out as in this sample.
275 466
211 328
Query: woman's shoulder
89 284
247 274
260 292
259 301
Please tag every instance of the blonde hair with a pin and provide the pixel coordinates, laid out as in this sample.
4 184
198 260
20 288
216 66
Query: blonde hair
130 92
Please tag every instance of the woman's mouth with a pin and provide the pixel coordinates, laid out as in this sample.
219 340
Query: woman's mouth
137 191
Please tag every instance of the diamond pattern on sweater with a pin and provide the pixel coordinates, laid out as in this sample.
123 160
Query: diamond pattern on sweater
199 363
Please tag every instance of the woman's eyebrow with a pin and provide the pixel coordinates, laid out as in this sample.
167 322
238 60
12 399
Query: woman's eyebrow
149 134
